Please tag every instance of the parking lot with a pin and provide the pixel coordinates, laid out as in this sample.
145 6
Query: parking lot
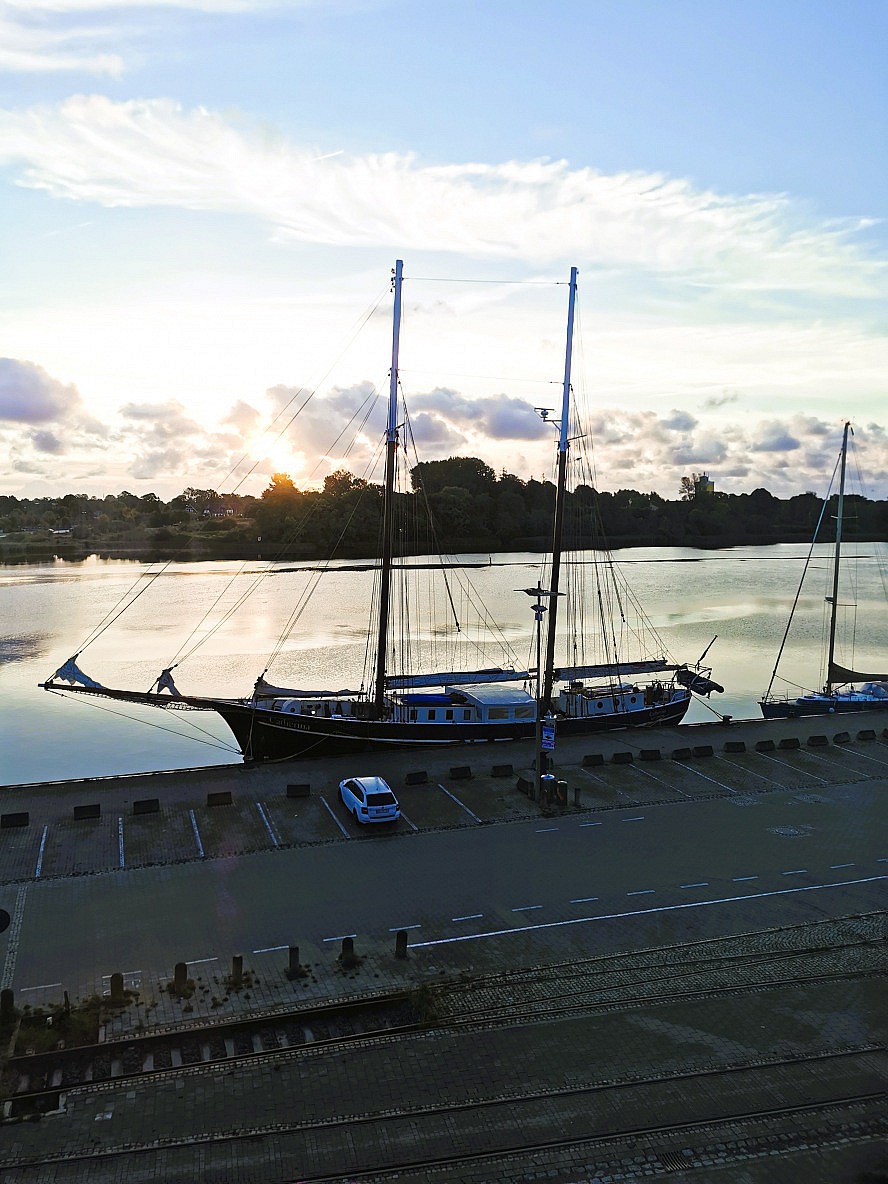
104 825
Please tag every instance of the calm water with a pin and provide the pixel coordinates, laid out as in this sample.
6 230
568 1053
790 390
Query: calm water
47 611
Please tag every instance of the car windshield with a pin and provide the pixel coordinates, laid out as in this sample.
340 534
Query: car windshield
381 799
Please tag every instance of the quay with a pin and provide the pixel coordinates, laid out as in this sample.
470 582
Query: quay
672 967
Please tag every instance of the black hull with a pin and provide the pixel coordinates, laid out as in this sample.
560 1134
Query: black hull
826 707
265 735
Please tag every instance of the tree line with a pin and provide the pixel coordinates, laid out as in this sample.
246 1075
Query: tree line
459 504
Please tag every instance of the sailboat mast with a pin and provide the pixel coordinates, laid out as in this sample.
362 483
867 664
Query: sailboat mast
391 448
560 492
834 602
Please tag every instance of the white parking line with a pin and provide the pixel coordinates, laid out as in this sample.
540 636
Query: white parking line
120 842
636 818
270 949
271 831
669 908
398 928
591 824
834 866
701 884
42 987
659 780
793 769
641 892
341 937
461 805
200 850
468 917
527 908
712 780
333 816
199 961
584 899
799 871
739 879
39 866
412 825
544 830
761 776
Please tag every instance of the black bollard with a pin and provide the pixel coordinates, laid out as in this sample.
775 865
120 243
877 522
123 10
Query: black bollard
180 978
67 1004
293 967
237 971
117 995
401 943
348 958
7 1005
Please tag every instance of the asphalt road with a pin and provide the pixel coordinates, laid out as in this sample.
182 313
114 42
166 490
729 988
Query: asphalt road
724 864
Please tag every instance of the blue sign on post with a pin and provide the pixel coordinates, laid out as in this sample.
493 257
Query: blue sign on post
547 742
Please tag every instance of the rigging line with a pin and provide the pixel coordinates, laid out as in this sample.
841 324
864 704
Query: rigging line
109 619
802 580
214 743
184 652
358 327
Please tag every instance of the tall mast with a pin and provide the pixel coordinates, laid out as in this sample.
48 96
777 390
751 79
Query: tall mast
834 601
560 491
391 448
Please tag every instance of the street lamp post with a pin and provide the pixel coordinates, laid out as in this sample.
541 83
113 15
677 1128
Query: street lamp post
539 608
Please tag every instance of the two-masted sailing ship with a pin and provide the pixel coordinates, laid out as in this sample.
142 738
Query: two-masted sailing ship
405 708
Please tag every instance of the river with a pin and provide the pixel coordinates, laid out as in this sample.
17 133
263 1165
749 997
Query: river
47 612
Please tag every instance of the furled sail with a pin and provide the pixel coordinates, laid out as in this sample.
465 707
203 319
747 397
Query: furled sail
265 690
71 672
840 674
454 678
614 669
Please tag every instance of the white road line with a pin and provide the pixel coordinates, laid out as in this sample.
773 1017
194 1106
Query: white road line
798 871
527 908
591 824
333 816
200 849
702 884
15 930
584 900
739 879
882 859
641 892
669 908
270 949
468 917
544 830
636 818
120 841
461 805
341 937
124 974
834 866
199 961
398 928
412 825
42 987
271 831
39 866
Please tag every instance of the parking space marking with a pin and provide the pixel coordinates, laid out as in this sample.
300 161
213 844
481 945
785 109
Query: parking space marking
641 892
584 900
739 879
835 866
461 805
793 769
761 776
412 825
270 949
39 867
659 780
468 917
669 908
544 830
527 908
799 871
342 937
398 928
591 824
711 780
120 842
702 884
333 816
199 961
636 818
41 987
200 850
271 831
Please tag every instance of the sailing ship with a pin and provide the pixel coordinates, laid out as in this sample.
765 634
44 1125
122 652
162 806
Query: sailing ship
400 708
844 690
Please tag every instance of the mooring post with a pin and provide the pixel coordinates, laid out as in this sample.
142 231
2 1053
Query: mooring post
7 1005
180 978
117 995
401 943
237 970
293 967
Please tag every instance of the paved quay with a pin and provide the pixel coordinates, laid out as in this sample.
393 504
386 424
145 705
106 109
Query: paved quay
485 881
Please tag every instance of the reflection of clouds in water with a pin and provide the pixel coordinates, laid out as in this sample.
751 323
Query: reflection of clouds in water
19 649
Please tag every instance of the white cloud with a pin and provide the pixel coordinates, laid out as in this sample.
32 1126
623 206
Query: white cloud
156 153
29 395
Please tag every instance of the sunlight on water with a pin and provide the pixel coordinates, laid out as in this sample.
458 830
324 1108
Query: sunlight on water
49 611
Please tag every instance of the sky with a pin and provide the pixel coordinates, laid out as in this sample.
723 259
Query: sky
201 202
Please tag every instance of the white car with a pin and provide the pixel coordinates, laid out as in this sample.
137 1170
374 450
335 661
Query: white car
369 799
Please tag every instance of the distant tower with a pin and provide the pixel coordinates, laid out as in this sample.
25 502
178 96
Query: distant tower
702 484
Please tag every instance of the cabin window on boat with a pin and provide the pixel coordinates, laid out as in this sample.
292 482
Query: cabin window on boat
412 714
498 713
431 714
448 715
467 715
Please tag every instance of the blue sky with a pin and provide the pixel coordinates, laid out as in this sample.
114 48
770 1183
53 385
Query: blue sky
200 199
